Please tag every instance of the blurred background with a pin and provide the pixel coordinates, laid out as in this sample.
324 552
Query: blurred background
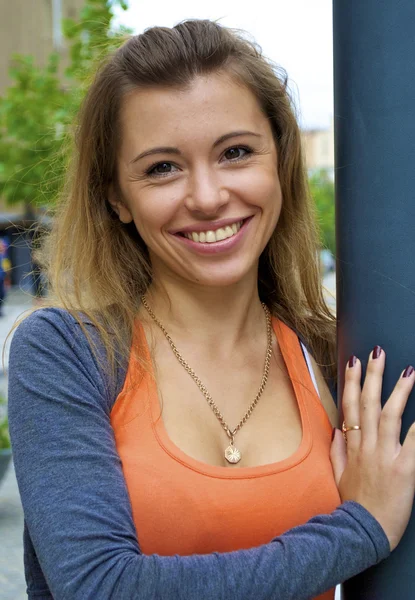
48 49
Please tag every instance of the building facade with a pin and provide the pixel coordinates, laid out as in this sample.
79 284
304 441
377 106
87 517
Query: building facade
32 27
318 145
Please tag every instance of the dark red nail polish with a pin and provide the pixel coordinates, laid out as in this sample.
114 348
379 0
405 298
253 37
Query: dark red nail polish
352 361
408 371
333 433
376 352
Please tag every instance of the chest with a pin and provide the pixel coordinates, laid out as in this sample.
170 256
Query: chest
271 432
184 498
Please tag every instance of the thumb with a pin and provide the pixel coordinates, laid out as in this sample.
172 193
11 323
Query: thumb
338 455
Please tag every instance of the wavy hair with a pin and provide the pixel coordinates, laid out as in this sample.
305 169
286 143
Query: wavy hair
100 267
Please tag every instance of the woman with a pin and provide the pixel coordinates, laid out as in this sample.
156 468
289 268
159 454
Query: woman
171 431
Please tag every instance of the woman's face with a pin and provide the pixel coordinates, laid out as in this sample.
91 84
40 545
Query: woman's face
198 176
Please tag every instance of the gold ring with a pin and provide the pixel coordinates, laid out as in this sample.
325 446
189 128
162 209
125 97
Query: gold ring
346 428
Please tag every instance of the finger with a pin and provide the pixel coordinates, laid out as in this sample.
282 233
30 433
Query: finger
351 401
391 417
407 455
370 403
338 455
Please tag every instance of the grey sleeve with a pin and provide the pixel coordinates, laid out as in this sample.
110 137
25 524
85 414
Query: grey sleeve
77 510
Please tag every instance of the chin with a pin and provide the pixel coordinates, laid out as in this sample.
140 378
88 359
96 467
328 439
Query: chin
222 279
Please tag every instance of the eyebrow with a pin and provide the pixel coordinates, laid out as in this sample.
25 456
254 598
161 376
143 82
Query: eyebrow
173 150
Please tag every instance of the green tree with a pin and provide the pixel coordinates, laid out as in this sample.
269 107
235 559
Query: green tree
37 110
322 192
91 37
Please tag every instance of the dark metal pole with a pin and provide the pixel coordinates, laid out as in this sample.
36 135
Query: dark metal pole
374 84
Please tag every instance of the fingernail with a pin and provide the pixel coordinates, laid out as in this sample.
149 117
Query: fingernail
377 350
408 371
352 361
333 433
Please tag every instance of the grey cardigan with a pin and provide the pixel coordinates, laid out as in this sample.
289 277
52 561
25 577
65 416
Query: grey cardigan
80 542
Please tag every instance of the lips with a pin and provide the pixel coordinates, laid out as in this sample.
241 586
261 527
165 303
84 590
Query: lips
208 225
210 236
191 238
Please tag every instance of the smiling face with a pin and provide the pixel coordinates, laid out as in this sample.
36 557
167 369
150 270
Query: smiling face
198 175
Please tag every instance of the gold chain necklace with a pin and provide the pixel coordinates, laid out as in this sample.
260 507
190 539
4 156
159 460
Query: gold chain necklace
232 454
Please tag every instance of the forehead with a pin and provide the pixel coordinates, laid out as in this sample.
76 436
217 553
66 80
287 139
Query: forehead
209 107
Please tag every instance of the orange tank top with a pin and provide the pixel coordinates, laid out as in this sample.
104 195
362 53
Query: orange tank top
183 506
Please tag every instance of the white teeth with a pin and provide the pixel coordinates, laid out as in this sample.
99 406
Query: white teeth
214 236
220 234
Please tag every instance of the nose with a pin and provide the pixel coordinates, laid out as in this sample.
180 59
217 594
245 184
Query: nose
205 194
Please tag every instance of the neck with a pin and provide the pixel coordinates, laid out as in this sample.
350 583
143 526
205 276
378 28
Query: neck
222 317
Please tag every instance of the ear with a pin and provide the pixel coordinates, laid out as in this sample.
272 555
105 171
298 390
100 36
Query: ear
118 205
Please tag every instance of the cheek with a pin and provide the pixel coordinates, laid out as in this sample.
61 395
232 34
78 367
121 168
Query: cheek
273 191
264 190
271 194
154 211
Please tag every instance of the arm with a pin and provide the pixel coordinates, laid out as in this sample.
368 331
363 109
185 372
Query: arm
77 508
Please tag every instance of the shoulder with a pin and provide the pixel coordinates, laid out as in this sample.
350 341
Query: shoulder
54 343
49 334
53 332
55 321
51 326
325 394
326 397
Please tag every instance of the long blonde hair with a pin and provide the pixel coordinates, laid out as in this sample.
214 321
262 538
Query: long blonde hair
100 267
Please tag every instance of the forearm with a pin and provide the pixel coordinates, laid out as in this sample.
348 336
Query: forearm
301 564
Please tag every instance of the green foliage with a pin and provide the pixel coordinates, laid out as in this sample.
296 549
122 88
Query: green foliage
322 191
4 429
31 118
91 38
38 109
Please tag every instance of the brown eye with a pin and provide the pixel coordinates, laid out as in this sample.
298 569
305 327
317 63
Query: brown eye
236 153
162 168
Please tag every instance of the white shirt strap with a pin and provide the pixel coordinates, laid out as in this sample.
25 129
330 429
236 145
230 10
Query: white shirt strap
310 366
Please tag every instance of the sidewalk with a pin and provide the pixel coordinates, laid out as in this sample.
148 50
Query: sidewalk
12 583
17 302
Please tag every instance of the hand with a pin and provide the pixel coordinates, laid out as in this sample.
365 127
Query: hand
373 468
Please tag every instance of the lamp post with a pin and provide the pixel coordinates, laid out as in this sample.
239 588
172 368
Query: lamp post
57 24
374 108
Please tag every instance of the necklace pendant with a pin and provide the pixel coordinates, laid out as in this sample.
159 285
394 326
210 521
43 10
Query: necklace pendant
232 454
